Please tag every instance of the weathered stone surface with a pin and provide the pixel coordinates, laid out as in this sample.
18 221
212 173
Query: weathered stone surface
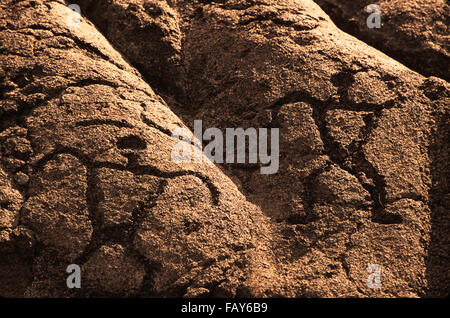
415 32
112 261
86 149
95 142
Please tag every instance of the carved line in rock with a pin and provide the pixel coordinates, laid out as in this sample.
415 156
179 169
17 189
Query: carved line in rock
344 80
83 45
124 233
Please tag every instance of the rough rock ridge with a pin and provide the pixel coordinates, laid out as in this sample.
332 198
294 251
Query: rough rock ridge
86 177
415 32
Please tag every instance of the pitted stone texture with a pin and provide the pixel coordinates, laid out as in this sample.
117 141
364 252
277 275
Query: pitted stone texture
17 251
95 142
11 201
337 186
179 237
123 194
299 130
355 129
361 148
414 32
111 271
56 209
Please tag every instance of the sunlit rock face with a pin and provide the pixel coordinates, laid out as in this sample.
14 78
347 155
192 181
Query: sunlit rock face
89 107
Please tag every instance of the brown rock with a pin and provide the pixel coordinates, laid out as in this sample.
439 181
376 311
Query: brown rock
98 141
363 153
415 32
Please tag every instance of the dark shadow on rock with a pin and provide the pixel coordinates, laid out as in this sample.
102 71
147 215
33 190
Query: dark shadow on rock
438 261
